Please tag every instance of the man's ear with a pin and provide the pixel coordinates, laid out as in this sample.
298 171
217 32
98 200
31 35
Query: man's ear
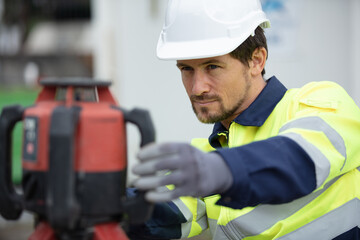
258 60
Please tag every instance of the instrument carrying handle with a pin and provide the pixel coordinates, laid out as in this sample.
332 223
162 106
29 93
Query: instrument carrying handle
142 119
11 203
138 209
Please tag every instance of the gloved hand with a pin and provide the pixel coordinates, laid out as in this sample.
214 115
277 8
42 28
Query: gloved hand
193 172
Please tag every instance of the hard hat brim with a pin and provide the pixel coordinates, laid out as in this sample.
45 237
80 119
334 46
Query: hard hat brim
196 49
184 50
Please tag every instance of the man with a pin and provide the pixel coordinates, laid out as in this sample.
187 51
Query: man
280 164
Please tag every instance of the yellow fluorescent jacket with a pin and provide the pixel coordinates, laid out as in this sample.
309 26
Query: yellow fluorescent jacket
322 119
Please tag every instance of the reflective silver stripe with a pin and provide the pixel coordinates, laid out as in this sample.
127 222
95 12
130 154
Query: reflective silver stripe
201 213
318 124
265 216
322 164
212 226
220 234
185 227
330 225
202 221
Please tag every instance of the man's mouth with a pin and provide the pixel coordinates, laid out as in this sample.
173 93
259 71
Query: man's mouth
204 103
204 100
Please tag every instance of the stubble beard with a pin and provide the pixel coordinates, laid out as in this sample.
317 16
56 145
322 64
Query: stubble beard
203 114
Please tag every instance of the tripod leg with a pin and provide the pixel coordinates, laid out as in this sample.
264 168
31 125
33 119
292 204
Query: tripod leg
43 231
109 231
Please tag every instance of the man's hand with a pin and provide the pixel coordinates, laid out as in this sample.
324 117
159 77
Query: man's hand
193 172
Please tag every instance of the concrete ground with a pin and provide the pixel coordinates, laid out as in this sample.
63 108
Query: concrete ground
16 230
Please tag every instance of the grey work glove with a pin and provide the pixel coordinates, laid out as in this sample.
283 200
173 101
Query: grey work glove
193 172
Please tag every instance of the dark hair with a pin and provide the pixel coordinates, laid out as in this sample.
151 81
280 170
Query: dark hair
245 50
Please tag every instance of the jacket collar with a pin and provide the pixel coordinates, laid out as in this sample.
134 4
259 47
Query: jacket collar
258 111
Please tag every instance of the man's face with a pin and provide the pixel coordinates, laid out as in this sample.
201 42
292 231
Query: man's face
218 87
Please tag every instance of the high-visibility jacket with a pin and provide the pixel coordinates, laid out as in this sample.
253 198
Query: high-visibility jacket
294 156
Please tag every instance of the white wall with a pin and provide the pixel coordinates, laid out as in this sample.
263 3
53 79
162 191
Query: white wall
354 51
327 48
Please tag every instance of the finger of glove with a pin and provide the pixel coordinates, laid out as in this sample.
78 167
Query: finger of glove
176 178
157 196
152 182
157 150
164 162
146 168
147 183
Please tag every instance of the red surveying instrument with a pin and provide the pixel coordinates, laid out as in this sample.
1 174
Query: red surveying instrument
74 161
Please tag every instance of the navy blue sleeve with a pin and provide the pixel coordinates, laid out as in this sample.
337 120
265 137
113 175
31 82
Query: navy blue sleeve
273 171
165 222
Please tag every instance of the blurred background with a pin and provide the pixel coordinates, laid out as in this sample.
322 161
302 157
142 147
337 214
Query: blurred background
310 40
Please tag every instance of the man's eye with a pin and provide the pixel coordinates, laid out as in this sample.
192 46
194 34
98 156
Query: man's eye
186 69
212 67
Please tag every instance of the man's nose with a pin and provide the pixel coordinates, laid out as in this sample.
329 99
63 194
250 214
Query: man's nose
200 83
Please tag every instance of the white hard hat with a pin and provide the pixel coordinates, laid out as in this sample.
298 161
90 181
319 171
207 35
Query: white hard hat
206 28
